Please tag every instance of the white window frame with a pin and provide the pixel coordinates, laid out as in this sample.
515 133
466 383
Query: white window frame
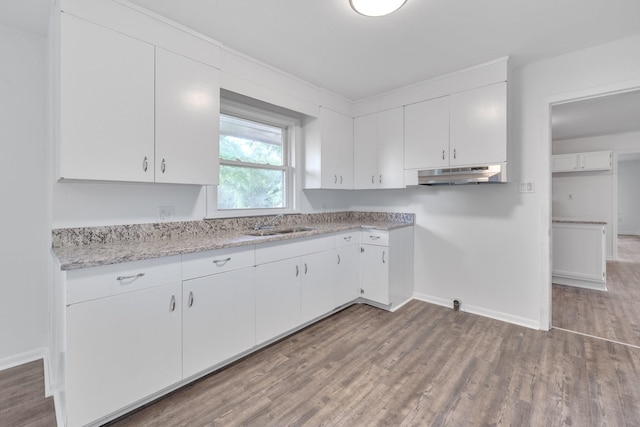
292 130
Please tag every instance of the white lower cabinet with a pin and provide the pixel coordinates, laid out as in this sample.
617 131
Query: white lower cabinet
121 349
134 330
218 319
277 298
317 290
346 281
386 266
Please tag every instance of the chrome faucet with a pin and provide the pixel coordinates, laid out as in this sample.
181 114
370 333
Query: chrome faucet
268 222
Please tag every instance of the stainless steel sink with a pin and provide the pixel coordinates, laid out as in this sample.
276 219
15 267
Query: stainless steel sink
278 231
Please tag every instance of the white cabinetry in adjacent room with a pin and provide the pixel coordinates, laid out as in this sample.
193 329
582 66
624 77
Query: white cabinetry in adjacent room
219 308
386 266
329 152
124 329
582 162
347 271
378 150
463 129
130 111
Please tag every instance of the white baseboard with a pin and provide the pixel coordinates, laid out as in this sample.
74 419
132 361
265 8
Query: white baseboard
26 357
481 311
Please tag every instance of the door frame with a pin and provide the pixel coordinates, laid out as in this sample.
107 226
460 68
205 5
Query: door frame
546 310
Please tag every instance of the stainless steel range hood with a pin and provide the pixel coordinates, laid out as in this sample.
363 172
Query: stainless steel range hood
489 174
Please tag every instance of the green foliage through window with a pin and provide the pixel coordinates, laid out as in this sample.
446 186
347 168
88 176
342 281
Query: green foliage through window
252 165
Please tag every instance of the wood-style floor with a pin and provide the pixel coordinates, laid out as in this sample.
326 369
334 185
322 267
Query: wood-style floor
614 314
424 365
22 400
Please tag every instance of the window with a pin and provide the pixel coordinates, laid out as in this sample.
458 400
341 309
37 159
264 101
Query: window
255 167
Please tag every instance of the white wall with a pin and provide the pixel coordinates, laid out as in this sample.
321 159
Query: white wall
25 242
628 197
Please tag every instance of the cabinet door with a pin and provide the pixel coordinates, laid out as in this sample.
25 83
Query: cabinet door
106 104
336 132
317 289
218 318
347 274
426 134
187 120
365 163
374 273
564 162
597 160
121 349
390 152
277 298
478 126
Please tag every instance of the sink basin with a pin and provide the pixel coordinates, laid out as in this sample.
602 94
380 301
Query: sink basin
278 231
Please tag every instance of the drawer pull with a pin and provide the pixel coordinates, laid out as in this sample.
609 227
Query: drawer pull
383 260
221 262
190 299
305 268
172 304
297 271
347 238
338 258
134 276
372 237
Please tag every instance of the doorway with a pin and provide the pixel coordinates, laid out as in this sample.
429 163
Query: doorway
601 122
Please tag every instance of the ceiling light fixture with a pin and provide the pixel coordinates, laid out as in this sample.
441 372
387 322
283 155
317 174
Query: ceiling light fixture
376 7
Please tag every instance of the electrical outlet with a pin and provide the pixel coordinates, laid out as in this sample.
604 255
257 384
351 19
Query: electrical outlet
166 213
527 187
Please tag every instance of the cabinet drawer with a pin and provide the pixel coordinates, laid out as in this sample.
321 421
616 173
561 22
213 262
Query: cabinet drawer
375 237
271 252
103 281
212 262
347 238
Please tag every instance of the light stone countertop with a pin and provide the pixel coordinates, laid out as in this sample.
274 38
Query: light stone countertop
577 221
73 254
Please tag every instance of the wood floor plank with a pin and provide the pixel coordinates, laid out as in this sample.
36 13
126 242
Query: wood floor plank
423 365
22 399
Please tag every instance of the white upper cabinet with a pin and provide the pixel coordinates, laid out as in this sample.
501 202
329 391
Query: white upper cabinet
426 134
478 126
378 150
463 129
329 152
187 128
130 111
106 104
582 162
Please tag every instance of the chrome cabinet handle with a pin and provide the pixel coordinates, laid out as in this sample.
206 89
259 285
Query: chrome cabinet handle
134 276
221 262
305 268
335 179
338 258
340 179
172 304
442 154
163 166
383 260
373 179
145 164
454 153
297 271
347 238
380 179
191 299
372 237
